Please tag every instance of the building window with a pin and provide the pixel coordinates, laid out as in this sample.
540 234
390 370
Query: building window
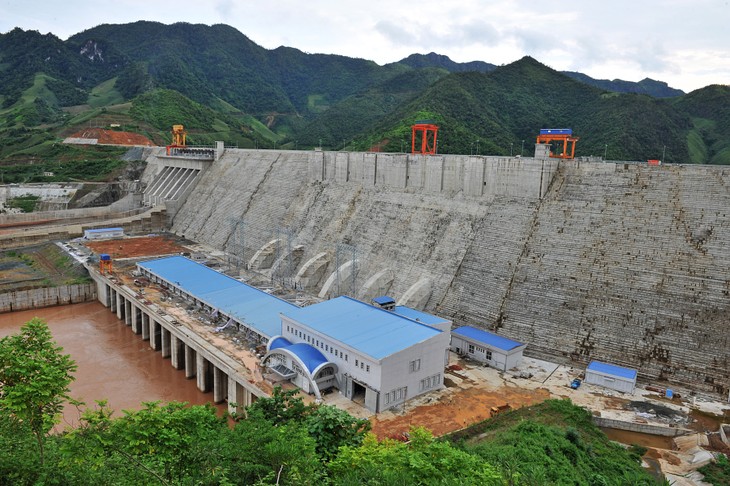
362 365
395 396
430 382
414 366
357 363
367 368
471 349
488 355
480 349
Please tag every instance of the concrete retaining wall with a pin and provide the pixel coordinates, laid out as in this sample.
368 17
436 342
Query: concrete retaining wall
47 297
642 428
153 220
476 176
67 215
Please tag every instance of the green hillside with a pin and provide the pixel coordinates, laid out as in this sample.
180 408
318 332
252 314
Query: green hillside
146 76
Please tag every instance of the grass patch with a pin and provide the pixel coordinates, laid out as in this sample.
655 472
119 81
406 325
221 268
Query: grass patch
697 148
26 203
554 442
317 103
717 473
105 94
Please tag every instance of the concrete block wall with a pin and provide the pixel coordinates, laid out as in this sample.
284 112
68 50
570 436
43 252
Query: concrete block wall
629 267
46 297
641 428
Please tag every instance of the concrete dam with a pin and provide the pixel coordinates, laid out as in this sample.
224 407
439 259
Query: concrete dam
617 262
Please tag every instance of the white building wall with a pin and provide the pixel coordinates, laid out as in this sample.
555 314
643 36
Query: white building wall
397 372
500 359
514 359
362 368
610 381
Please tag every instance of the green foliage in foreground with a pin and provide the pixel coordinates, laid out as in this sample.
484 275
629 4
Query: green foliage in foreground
423 461
717 473
281 440
556 442
34 380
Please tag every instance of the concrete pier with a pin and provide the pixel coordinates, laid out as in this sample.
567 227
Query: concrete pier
213 370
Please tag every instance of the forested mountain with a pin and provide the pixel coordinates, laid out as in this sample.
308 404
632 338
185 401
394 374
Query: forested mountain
647 86
223 86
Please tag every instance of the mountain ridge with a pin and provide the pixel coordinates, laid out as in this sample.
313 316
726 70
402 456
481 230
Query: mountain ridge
287 98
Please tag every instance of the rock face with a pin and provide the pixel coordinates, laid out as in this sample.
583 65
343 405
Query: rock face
622 263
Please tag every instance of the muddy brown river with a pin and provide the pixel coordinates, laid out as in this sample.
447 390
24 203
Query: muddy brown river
114 364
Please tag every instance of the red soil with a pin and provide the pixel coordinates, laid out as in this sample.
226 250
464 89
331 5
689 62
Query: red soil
112 137
136 247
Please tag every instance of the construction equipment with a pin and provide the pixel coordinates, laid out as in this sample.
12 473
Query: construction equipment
178 139
105 264
426 133
178 135
563 136
494 411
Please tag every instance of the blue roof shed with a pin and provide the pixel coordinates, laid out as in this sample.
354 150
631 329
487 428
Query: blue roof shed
609 369
486 337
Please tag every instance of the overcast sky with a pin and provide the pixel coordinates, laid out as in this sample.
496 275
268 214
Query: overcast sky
683 42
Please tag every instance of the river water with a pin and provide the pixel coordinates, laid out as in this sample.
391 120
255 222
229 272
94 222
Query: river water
114 364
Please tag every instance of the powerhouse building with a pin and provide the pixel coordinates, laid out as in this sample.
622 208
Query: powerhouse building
378 357
374 356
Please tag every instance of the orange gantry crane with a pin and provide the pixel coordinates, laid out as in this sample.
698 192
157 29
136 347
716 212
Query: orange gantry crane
564 137
424 136
178 138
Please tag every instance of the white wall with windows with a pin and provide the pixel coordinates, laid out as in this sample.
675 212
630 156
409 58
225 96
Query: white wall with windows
486 347
385 382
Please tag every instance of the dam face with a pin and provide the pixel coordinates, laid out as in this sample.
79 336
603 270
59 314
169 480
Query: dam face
623 263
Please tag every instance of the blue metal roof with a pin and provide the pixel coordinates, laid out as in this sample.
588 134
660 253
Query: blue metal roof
252 306
556 131
279 342
486 337
384 300
614 370
366 328
419 316
310 356
103 230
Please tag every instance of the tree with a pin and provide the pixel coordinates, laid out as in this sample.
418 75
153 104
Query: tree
332 428
35 377
281 407
423 461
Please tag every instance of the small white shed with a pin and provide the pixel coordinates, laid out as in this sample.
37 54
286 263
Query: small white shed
486 347
103 233
611 376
